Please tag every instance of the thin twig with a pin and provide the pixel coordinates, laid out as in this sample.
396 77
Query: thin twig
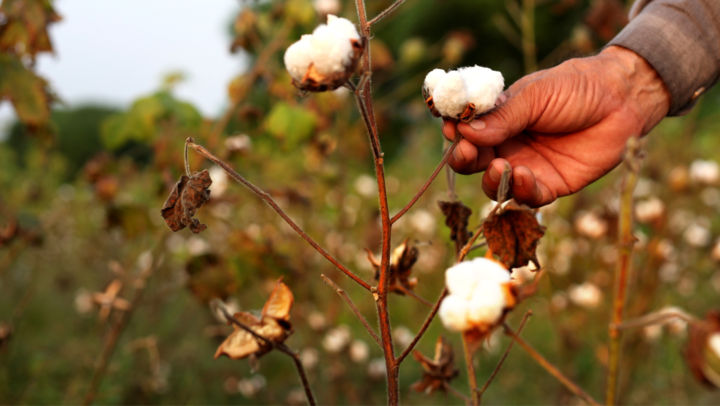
187 161
424 327
414 295
502 360
472 379
385 12
570 385
429 181
655 318
279 346
456 392
469 246
354 309
624 265
251 76
269 200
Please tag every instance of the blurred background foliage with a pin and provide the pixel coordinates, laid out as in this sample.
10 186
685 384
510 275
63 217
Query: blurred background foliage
81 186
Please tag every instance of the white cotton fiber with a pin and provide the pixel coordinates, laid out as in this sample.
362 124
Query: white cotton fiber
450 96
487 303
483 86
331 52
343 26
461 279
453 313
432 79
298 57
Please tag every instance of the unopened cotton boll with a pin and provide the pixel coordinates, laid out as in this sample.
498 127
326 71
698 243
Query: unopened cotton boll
453 313
483 86
331 52
450 96
298 57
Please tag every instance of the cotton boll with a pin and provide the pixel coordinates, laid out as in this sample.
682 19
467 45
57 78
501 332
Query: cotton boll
487 303
432 79
453 313
325 7
331 52
483 87
705 172
586 295
343 26
714 343
462 278
450 95
491 271
298 57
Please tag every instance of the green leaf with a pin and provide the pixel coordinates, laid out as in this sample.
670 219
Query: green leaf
292 124
27 92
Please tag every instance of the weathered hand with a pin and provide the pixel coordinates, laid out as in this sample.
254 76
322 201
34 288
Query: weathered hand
562 128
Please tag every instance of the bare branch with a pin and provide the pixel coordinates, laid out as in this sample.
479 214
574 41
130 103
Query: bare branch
354 309
429 181
269 200
424 327
456 392
414 295
472 379
570 385
385 12
505 355
655 318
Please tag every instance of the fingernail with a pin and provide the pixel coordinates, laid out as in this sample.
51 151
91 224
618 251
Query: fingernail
477 125
494 175
518 180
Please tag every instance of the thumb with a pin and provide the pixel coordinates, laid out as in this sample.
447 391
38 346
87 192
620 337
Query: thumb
506 120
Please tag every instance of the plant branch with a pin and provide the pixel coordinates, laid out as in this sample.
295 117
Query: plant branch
502 360
654 318
456 392
279 346
624 265
414 295
385 12
429 181
570 385
469 246
472 379
355 310
424 327
269 200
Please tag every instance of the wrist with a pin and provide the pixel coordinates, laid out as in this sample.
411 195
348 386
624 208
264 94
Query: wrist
645 93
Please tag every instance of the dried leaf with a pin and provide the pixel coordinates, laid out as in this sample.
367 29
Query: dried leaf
513 235
273 325
188 195
23 30
456 217
437 372
702 360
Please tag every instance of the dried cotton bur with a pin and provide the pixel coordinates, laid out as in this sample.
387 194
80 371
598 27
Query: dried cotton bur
188 195
702 352
273 325
401 262
512 233
325 59
437 372
462 94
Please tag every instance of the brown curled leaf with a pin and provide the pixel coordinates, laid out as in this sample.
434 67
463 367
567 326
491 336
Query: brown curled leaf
513 235
188 195
456 217
703 361
437 372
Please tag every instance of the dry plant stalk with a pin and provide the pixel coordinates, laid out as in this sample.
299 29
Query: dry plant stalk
626 241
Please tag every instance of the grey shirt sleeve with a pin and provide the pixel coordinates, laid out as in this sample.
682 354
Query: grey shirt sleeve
681 40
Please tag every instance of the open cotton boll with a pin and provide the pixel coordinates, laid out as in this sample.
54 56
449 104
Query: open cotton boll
450 96
331 52
483 86
343 26
453 313
487 303
298 57
461 279
432 79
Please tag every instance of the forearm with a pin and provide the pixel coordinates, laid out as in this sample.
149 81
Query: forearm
681 40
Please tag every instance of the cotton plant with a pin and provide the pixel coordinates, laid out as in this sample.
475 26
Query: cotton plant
325 59
462 94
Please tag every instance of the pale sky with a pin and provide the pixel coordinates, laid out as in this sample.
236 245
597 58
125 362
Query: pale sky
114 51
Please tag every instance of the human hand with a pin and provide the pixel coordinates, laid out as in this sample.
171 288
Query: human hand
562 128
